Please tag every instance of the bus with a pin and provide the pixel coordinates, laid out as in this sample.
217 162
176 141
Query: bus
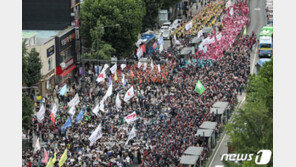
265 47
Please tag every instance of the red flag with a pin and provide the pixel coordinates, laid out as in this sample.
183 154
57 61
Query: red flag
45 159
154 45
143 48
52 118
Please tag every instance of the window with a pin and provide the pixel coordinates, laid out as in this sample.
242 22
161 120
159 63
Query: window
49 64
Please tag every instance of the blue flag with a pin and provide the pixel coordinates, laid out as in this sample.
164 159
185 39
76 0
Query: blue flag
80 116
67 124
63 90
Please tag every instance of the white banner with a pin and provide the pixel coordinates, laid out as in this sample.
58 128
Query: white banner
41 113
158 66
152 66
101 77
129 94
113 68
105 67
118 102
188 26
131 135
219 36
37 145
96 110
74 101
97 134
108 93
139 64
72 110
131 118
122 66
54 109
199 33
102 105
145 66
139 52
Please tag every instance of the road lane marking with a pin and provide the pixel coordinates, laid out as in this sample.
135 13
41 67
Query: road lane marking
257 9
225 133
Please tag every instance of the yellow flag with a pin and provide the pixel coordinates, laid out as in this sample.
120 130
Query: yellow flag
52 161
63 158
115 76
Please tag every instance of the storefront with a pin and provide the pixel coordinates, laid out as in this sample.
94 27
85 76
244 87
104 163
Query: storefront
65 56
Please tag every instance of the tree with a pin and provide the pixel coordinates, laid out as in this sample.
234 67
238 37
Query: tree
96 14
27 111
24 63
166 4
32 65
252 128
151 17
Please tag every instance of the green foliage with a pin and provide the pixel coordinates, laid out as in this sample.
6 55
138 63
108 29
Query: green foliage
166 4
151 17
27 111
252 128
34 66
96 14
31 66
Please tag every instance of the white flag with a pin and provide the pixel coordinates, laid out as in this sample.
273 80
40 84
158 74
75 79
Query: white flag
139 64
231 11
145 66
131 118
123 79
96 110
72 110
158 66
41 113
74 101
54 109
188 26
97 134
105 67
122 66
101 77
199 33
118 102
152 66
160 48
131 135
129 94
102 105
37 145
113 68
139 52
219 36
108 93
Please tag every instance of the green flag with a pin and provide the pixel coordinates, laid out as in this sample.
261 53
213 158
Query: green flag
199 88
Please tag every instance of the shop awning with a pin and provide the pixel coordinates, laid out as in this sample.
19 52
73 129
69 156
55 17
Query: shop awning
69 70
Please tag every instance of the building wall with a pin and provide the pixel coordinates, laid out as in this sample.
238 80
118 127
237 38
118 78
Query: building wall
44 53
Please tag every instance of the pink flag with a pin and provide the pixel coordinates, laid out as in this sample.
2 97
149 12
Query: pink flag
45 159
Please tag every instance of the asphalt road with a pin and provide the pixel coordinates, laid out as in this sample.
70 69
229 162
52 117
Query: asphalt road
257 21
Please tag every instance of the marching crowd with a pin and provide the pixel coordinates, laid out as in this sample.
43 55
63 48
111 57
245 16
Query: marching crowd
168 108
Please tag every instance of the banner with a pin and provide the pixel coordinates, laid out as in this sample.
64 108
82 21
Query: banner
80 116
131 118
188 26
118 102
41 113
102 105
158 66
72 110
45 159
108 93
96 109
63 90
139 64
199 88
63 158
74 101
129 94
37 145
199 34
113 68
101 77
122 66
131 135
152 66
67 124
54 109
97 134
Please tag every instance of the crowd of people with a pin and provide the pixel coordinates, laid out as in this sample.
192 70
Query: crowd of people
168 108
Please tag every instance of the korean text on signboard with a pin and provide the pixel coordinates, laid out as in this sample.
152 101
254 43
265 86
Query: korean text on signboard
50 51
68 39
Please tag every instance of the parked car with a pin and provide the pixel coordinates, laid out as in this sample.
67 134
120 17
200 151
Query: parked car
163 28
166 34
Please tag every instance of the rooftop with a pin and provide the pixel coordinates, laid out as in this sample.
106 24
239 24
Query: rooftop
42 36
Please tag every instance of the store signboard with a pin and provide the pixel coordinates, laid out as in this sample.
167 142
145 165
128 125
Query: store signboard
50 51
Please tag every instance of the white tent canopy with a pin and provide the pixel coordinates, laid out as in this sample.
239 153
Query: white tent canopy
193 150
189 159
208 125
220 104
